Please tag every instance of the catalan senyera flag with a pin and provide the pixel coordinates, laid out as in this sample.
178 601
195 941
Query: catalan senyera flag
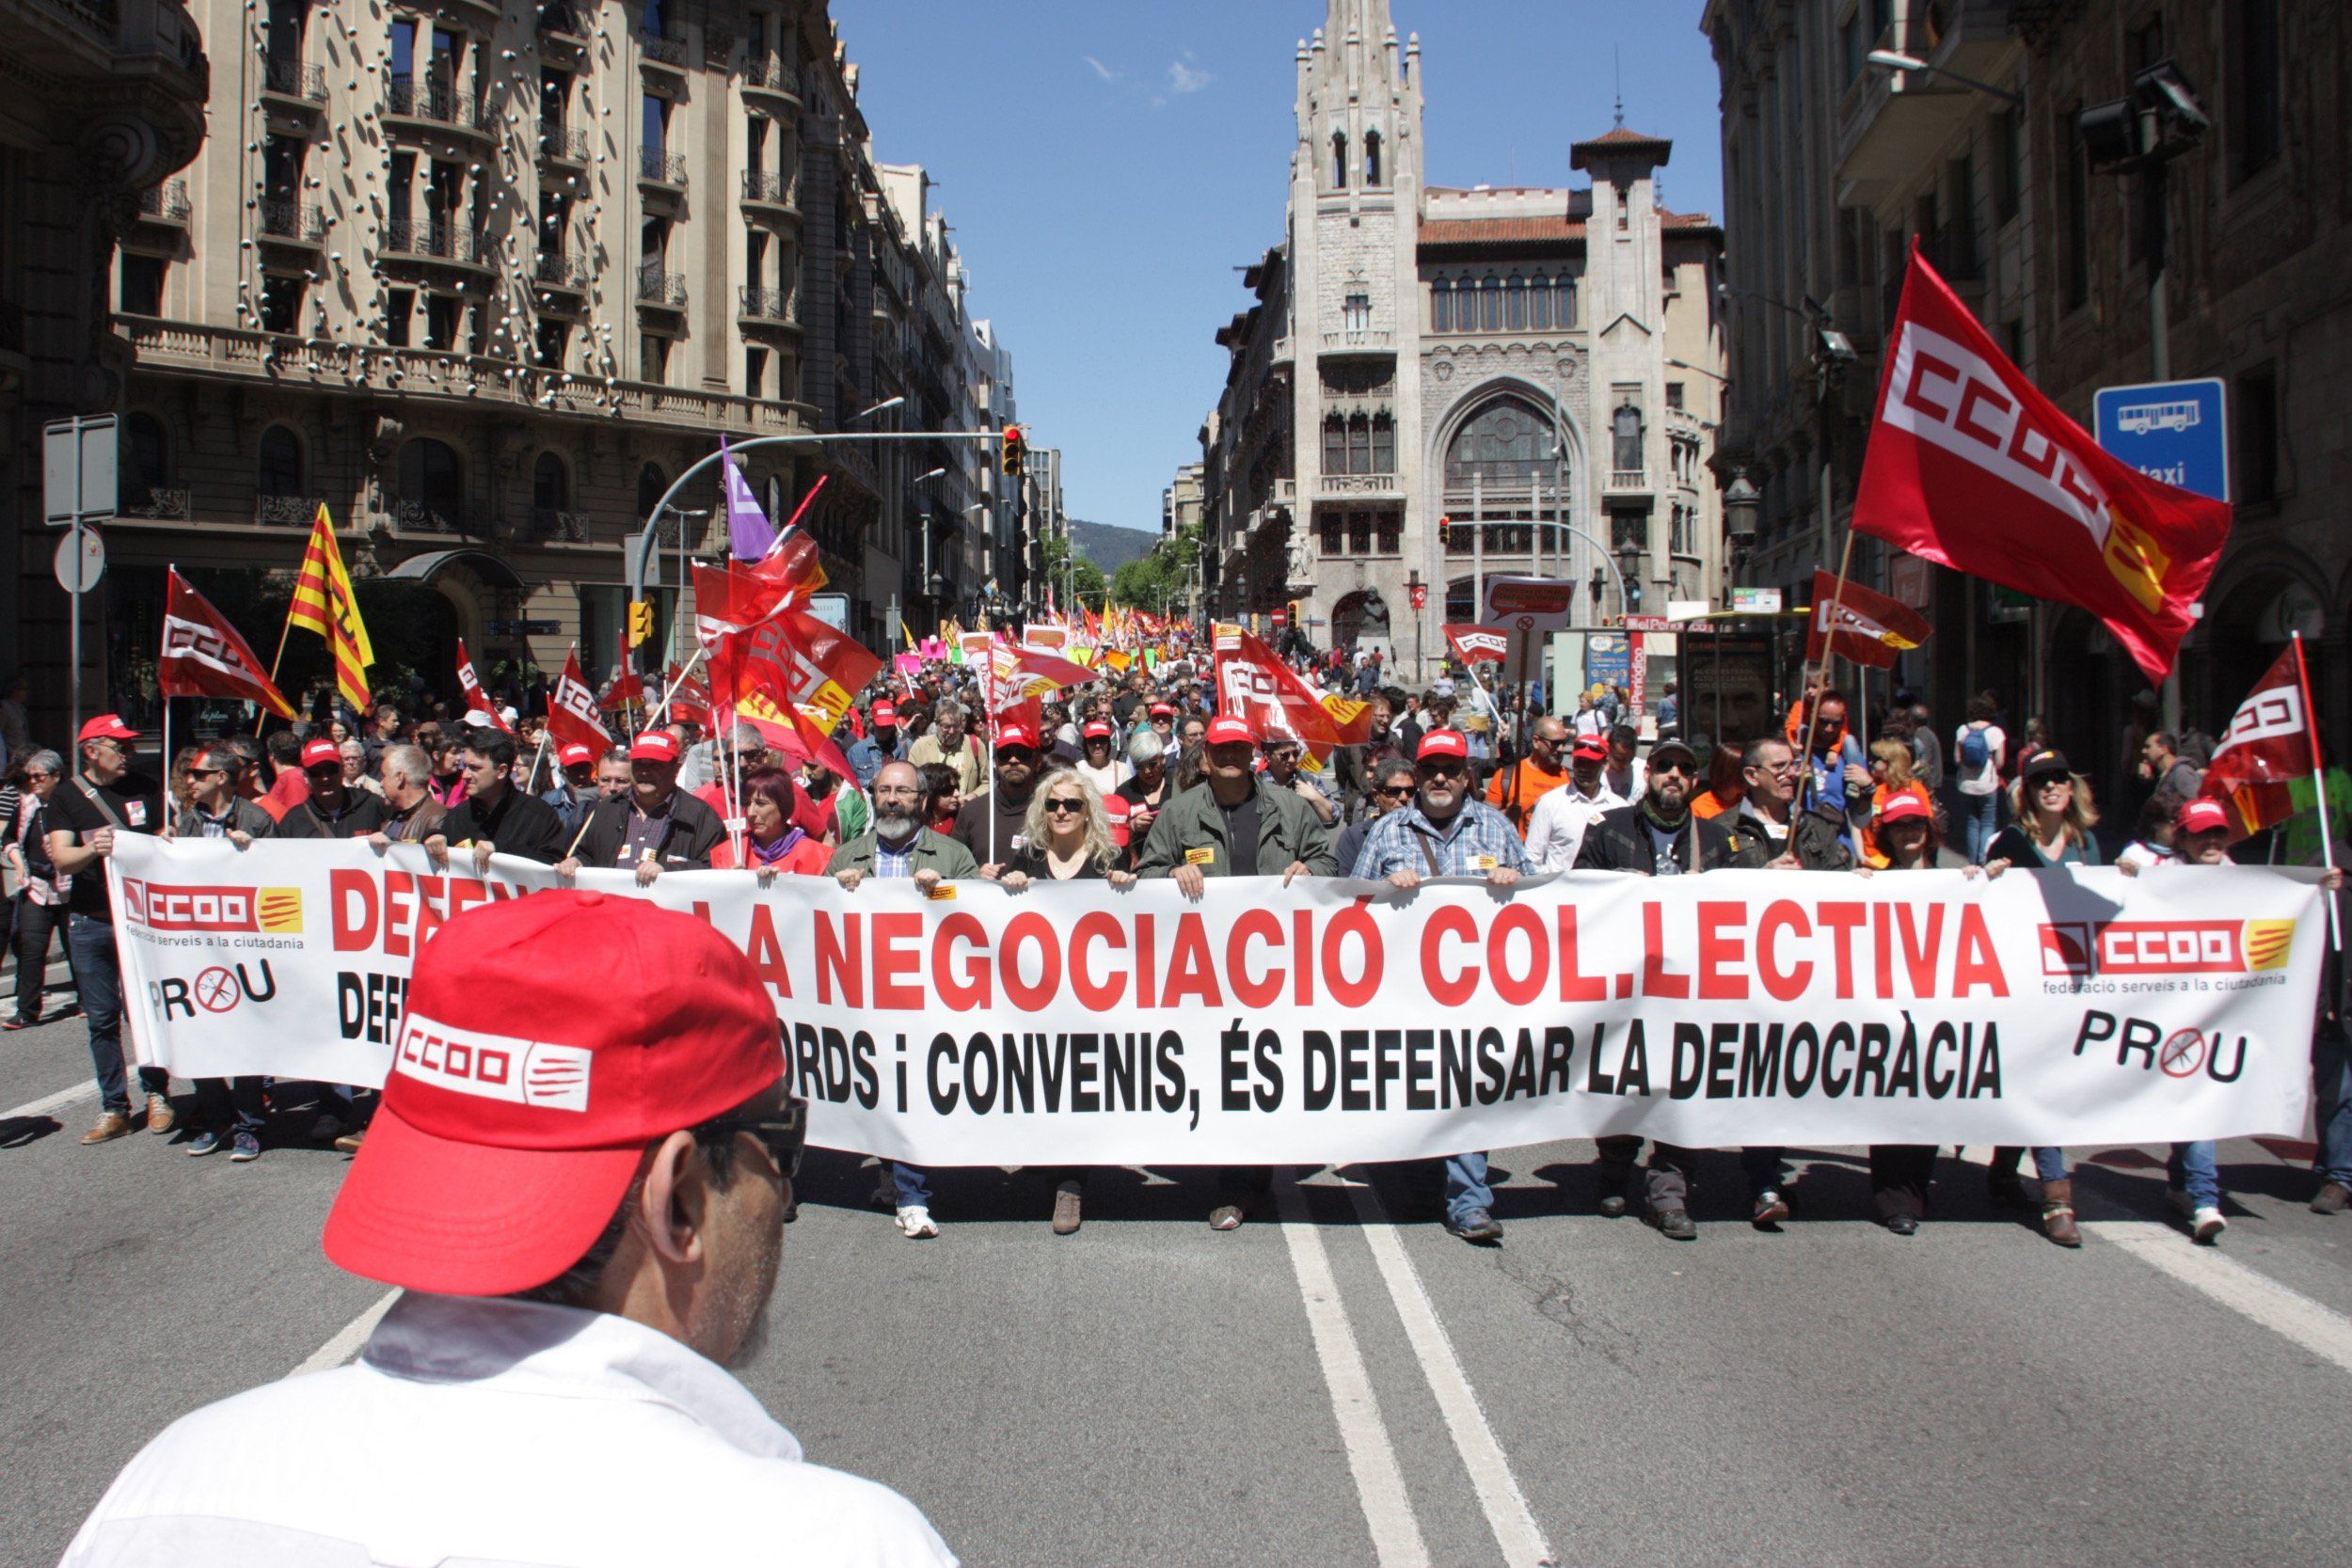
324 603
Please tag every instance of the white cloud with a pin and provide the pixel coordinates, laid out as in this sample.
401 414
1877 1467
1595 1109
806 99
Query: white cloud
1183 78
1101 70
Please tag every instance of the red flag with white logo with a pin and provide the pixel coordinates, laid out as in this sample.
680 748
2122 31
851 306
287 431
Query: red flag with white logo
477 700
1871 628
690 699
2270 743
1253 683
628 687
202 654
1970 466
793 668
572 717
1476 644
1020 673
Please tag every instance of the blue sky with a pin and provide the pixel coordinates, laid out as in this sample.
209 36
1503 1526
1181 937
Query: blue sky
1107 164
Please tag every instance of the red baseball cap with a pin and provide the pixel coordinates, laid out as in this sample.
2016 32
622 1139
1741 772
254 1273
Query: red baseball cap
2201 816
106 727
1904 808
1157 710
519 1106
886 713
1228 728
654 746
574 754
1097 730
1444 743
1590 748
317 752
1011 736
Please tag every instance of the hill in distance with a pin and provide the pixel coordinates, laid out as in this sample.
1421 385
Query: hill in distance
1110 546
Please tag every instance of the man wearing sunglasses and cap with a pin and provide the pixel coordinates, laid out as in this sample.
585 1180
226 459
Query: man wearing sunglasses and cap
584 1209
1444 832
332 809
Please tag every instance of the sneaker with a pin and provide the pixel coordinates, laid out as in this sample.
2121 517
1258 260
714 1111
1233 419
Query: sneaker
2332 1200
161 1118
349 1142
2206 1225
204 1143
1770 1209
328 1127
249 1148
20 1023
1066 1206
916 1223
1476 1226
112 1125
1675 1224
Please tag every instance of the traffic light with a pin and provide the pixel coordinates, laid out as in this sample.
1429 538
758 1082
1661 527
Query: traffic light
640 622
1016 450
1444 526
1298 614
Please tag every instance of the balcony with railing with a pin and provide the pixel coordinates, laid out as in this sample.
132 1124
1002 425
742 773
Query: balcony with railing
555 270
426 240
666 47
292 222
160 503
167 202
666 290
1628 481
771 75
659 167
767 307
561 26
427 517
1344 486
770 188
1360 340
563 144
295 80
434 103
554 526
286 511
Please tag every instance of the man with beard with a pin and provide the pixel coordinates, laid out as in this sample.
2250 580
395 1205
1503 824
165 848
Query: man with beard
1444 832
1656 836
1019 764
578 1266
900 846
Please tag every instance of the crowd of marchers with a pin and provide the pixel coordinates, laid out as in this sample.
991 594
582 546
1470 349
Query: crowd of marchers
1137 776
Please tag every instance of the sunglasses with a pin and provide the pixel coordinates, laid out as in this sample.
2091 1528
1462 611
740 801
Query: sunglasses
1441 768
193 773
1398 793
783 1133
1059 807
1015 754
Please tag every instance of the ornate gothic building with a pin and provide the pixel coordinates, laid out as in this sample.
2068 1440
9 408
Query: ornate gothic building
1541 368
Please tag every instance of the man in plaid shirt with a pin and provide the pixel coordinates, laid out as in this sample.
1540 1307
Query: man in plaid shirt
1444 832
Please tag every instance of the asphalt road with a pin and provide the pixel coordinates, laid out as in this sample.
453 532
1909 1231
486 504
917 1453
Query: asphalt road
1353 1386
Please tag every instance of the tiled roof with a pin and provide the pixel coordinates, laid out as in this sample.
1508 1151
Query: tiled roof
1550 227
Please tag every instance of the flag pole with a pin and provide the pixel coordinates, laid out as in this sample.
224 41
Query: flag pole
283 632
1805 696
671 690
170 801
2319 783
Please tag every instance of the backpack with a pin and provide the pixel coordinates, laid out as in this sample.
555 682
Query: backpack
1973 750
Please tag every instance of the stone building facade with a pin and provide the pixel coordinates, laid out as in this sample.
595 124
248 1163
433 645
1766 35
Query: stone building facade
1540 368
1834 169
485 280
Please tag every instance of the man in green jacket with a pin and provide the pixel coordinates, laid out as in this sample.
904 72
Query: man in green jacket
1235 825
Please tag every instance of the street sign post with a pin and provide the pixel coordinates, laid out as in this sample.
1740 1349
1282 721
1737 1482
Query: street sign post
2172 431
79 487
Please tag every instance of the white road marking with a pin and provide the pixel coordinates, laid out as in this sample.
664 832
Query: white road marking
346 1342
1507 1511
49 1104
2286 1313
1396 1540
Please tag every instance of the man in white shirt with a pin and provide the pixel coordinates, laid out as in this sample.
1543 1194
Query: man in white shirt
1555 829
584 1204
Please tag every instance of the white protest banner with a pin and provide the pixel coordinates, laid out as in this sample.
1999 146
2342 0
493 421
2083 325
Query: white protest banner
1077 1024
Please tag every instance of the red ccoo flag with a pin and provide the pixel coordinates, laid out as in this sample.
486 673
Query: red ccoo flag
477 700
572 711
628 687
1871 628
2270 743
1253 683
1476 644
202 656
1971 467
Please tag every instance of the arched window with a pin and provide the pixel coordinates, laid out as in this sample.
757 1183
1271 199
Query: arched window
1490 304
1539 306
651 482
1441 304
145 457
1563 303
1383 444
1514 304
1339 161
551 487
1371 160
1505 447
1624 433
280 462
1334 445
431 486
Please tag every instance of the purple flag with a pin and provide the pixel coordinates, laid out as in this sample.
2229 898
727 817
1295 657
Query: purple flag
749 532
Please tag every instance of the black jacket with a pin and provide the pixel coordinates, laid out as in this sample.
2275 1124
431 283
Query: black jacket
686 844
1617 841
519 824
363 814
1813 837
